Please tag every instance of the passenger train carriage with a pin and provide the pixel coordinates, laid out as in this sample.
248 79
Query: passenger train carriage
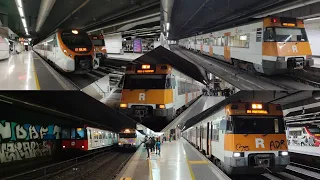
243 138
270 45
130 138
100 50
87 138
157 90
69 50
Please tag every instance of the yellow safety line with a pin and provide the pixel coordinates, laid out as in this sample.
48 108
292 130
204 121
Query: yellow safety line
125 178
36 77
198 162
190 169
150 169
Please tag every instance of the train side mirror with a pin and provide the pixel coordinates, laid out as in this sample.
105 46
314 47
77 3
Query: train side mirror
223 125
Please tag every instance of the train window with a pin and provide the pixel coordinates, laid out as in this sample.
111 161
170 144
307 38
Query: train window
215 132
229 127
240 41
154 81
290 35
304 131
77 133
269 35
65 133
222 40
226 39
75 40
257 125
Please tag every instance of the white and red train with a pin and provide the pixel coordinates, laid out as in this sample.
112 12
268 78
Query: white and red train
87 138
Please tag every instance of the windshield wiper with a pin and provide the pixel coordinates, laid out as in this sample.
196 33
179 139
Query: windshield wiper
131 89
146 90
265 134
245 135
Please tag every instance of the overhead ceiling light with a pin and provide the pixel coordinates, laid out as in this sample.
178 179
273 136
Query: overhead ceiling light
167 34
24 22
26 30
75 31
168 24
19 3
21 11
310 19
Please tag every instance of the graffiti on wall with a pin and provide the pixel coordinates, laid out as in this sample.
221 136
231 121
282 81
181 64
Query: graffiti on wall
24 141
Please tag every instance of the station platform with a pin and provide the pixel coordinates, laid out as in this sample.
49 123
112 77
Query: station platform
316 62
27 71
125 56
308 150
178 160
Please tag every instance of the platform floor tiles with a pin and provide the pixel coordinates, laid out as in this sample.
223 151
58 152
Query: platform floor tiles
27 71
178 160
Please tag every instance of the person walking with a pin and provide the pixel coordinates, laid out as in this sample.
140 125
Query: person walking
158 144
148 145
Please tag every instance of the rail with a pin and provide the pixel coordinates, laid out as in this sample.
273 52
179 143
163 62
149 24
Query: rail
51 170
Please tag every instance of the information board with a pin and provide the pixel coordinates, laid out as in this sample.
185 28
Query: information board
137 46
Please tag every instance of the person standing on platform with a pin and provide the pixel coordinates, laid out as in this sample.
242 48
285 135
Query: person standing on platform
148 145
158 144
153 143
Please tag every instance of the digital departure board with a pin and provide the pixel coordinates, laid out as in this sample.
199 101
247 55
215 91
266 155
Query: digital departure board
137 46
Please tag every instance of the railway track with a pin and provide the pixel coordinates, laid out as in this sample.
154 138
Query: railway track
288 81
52 170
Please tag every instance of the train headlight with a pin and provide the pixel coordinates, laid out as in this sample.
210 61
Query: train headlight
161 106
123 105
283 153
75 32
82 147
238 154
119 143
63 147
134 144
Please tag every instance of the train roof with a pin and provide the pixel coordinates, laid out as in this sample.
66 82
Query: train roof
161 55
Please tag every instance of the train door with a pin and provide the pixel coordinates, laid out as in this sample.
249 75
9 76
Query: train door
201 136
208 139
89 139
211 46
175 93
227 55
211 135
197 137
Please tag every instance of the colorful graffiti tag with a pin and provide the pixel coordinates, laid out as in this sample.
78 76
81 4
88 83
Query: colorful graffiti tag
24 141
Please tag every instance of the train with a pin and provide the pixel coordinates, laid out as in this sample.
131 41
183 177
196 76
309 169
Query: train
86 138
301 135
4 48
157 90
100 50
270 45
243 138
69 50
130 138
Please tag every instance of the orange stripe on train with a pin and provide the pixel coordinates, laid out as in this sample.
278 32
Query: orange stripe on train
285 49
255 142
152 96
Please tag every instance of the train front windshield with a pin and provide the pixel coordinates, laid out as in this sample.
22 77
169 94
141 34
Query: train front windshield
314 130
279 34
80 40
127 135
73 133
256 125
98 42
150 81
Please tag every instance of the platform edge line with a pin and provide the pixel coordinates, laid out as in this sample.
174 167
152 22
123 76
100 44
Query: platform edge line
150 170
36 76
190 169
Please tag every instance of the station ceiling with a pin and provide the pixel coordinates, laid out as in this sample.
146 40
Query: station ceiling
190 17
83 14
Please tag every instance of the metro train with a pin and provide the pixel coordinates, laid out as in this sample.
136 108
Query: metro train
69 50
100 50
271 45
87 138
157 90
243 138
130 138
4 48
300 135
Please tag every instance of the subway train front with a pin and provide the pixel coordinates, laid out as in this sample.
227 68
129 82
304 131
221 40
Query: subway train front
243 138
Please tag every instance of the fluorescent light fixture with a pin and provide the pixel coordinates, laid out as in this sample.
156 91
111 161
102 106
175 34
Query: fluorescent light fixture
21 11
24 22
167 34
168 25
49 40
26 29
19 3
310 19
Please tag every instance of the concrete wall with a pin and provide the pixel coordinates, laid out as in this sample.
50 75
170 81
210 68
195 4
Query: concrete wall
313 32
113 43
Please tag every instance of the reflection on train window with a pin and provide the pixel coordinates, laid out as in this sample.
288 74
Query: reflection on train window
77 133
304 130
290 35
314 130
154 81
79 40
276 125
98 42
257 125
65 133
215 132
269 35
